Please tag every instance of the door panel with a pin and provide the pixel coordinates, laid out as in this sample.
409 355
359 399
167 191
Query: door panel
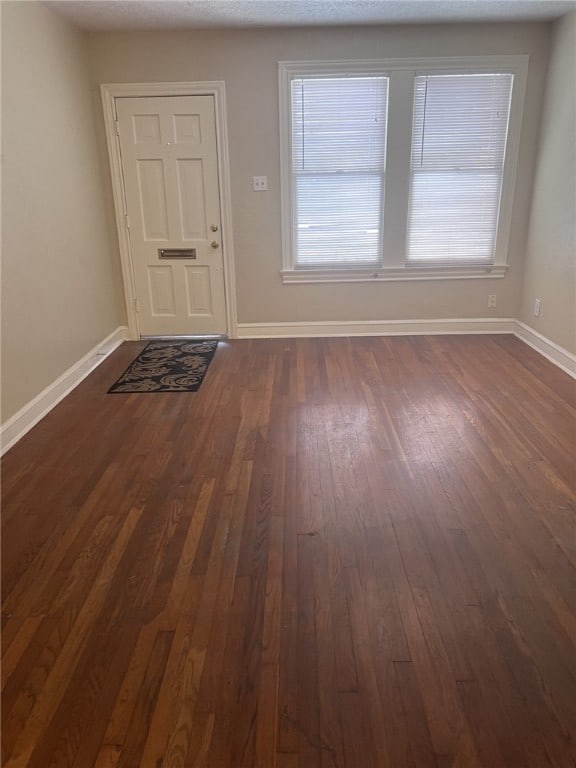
146 129
191 196
153 203
198 291
161 292
169 162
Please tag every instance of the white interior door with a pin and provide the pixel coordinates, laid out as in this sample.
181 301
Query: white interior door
170 168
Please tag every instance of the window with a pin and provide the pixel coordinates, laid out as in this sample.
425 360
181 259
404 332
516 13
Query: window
459 134
338 149
398 170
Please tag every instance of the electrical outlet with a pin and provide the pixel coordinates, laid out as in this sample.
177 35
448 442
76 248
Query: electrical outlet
537 304
491 300
260 183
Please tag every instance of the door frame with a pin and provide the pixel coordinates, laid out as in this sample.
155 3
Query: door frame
109 93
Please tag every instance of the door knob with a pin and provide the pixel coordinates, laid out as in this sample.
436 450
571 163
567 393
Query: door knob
215 244
214 228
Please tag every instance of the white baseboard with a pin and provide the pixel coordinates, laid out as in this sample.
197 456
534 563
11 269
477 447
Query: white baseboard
476 325
23 421
376 328
19 424
549 349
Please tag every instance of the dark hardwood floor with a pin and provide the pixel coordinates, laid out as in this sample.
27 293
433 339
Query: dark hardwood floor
339 553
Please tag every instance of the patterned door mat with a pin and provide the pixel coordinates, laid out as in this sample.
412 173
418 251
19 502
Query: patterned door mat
167 366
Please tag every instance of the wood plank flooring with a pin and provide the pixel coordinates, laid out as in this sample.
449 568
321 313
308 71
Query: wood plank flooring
339 553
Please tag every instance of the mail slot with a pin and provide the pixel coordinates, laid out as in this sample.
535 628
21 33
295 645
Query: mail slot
176 253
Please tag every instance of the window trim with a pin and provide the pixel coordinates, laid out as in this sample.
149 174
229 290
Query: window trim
399 139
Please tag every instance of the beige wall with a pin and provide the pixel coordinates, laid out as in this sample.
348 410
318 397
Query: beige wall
550 271
60 281
247 61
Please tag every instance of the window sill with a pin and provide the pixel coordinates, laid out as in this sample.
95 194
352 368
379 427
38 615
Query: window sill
386 274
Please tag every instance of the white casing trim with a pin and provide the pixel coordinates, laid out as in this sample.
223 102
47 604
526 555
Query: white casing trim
549 349
23 421
384 274
376 328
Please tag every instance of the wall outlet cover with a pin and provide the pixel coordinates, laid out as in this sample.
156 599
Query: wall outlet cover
537 304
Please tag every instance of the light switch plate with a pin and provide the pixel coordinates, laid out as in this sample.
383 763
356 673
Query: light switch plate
260 183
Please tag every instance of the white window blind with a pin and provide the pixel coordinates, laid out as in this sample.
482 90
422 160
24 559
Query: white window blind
338 147
459 132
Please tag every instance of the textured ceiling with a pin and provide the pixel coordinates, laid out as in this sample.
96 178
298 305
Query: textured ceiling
166 14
